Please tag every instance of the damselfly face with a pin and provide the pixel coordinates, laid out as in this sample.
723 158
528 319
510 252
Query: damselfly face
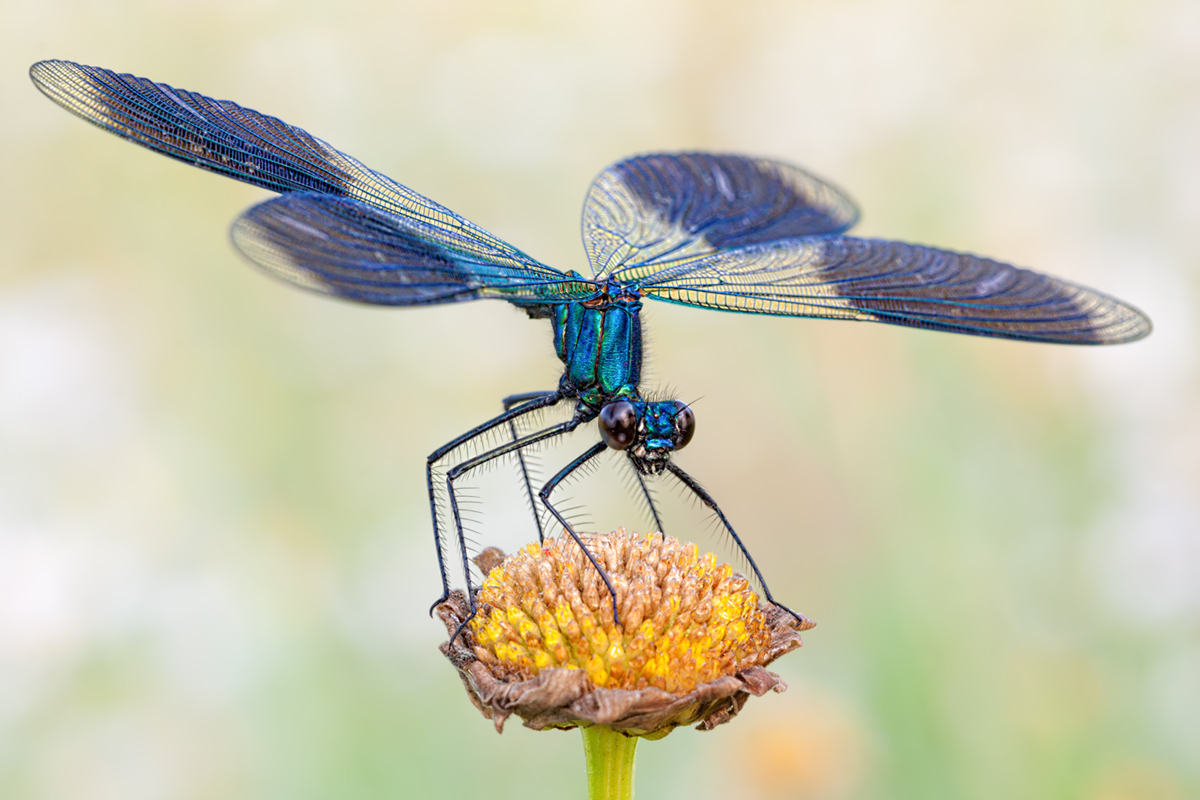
648 431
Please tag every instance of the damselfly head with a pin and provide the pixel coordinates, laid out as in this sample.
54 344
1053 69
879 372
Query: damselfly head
650 431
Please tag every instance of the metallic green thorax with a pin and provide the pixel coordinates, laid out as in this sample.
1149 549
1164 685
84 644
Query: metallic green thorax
600 343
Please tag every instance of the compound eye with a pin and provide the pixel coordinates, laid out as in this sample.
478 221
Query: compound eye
685 424
618 424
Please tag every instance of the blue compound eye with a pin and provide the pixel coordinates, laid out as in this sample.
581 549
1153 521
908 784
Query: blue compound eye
685 424
618 424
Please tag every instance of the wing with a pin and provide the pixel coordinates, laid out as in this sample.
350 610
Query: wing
840 277
650 209
223 137
346 248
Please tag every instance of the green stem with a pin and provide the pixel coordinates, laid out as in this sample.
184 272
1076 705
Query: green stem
609 757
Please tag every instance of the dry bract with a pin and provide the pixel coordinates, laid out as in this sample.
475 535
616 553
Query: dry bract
691 647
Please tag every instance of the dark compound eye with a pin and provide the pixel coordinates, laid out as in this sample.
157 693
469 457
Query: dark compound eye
685 424
618 424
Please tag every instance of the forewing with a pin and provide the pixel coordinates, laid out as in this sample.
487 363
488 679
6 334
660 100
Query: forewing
223 137
650 209
342 247
840 277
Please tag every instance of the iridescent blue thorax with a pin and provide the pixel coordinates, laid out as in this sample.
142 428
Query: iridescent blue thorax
600 343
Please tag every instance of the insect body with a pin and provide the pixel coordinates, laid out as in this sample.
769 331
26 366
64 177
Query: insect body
600 343
717 231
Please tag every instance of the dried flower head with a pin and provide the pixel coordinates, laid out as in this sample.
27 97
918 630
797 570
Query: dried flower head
691 646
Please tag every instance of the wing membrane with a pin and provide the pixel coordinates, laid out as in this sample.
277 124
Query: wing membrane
840 277
223 137
340 246
650 209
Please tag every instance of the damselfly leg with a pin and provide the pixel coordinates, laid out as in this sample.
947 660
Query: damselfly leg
706 498
535 403
647 497
510 402
478 461
544 494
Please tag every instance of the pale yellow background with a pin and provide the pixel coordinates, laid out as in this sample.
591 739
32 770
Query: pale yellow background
215 556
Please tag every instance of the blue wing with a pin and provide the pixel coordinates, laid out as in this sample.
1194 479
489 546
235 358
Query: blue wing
840 277
650 209
757 236
342 247
223 137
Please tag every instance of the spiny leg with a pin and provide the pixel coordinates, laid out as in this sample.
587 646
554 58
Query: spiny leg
707 499
592 452
646 496
509 402
538 402
466 466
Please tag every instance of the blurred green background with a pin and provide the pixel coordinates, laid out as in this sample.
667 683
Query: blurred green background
215 556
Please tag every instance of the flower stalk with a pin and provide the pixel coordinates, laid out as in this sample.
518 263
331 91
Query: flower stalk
609 757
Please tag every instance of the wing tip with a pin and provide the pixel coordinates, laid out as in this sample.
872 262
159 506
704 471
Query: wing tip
1135 326
45 65
1115 321
50 71
42 75
71 86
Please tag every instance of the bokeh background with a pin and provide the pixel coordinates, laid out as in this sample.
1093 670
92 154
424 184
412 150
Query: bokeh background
215 557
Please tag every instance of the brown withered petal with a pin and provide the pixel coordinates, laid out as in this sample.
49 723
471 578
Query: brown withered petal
691 648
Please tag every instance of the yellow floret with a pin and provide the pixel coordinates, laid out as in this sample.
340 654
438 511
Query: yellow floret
686 615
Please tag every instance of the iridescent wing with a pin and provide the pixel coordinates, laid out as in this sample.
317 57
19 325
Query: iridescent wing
647 210
839 277
223 137
342 247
